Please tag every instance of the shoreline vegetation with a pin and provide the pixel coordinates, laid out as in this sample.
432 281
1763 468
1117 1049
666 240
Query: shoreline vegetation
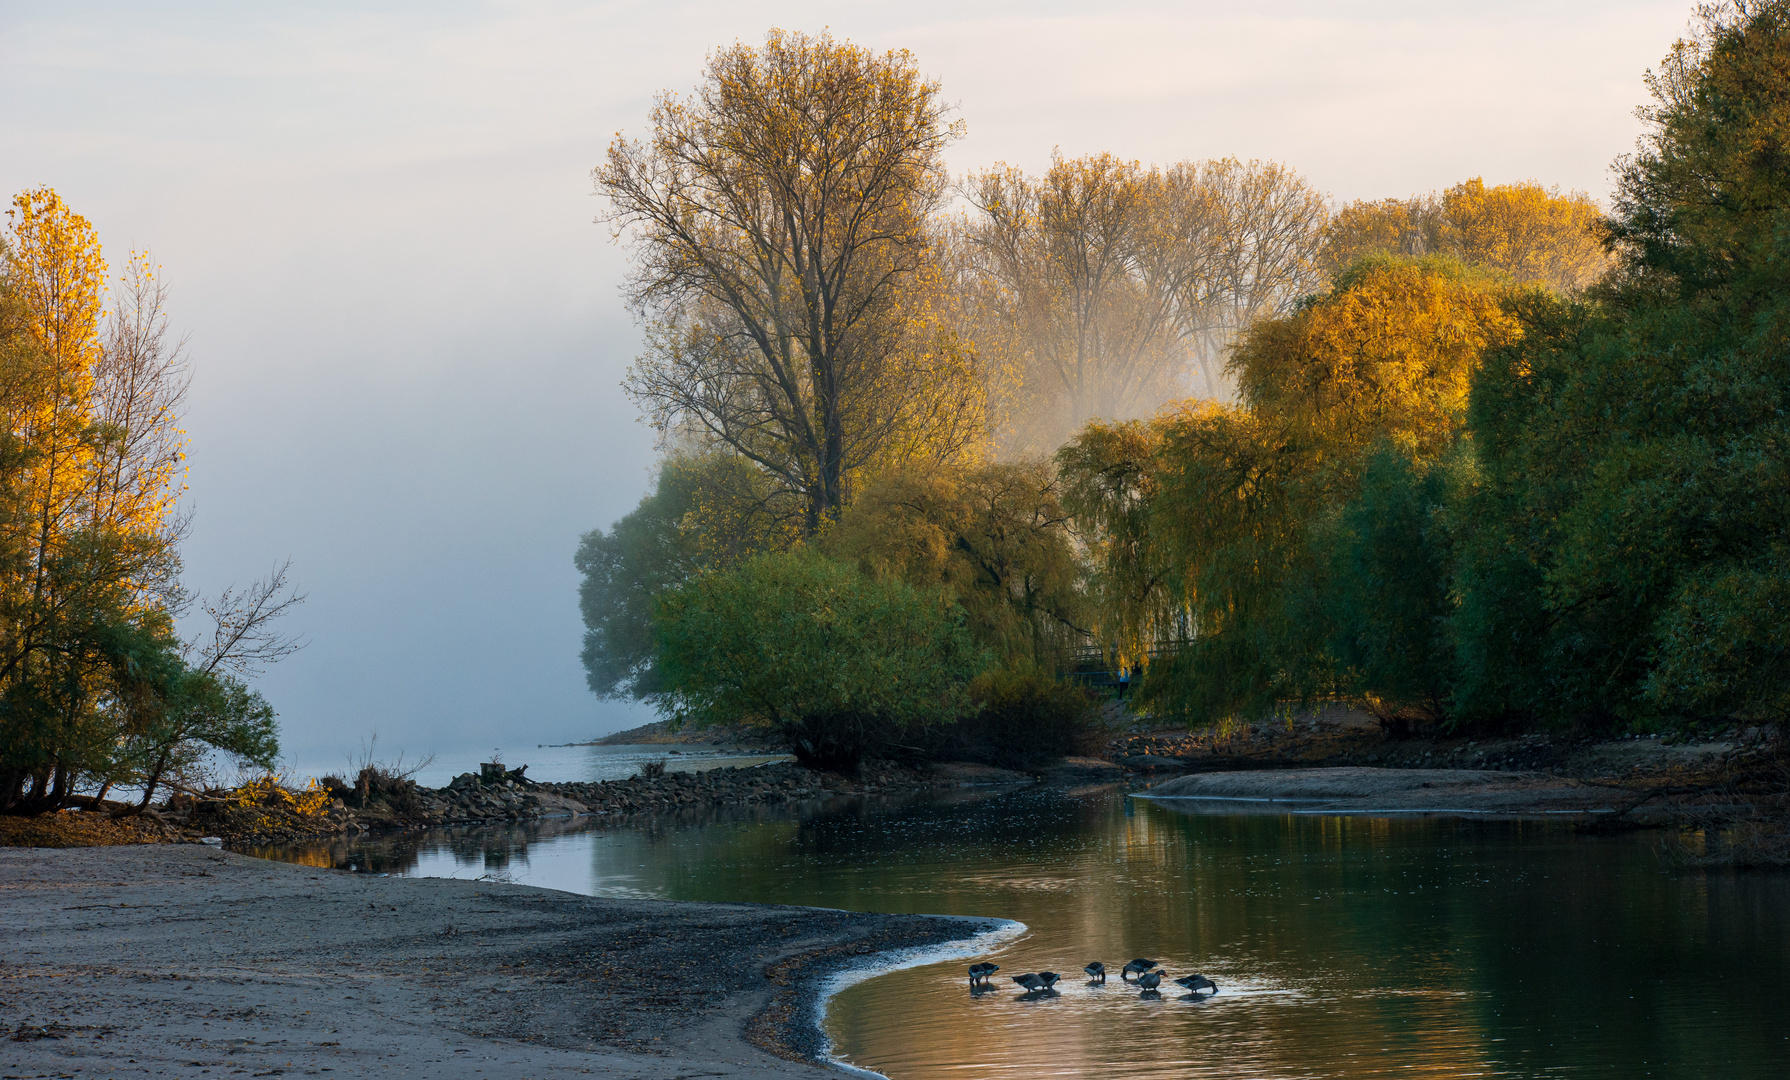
1719 796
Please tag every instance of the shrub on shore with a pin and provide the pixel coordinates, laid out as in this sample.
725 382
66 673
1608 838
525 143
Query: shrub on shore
838 664
1025 719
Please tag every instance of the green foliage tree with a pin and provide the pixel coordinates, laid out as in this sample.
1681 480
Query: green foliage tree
709 510
995 537
1633 450
1385 596
838 663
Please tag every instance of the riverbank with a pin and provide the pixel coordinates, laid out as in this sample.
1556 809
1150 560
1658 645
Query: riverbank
180 960
1725 795
246 819
1348 790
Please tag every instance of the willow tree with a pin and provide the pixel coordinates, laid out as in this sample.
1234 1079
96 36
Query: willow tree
1204 523
779 217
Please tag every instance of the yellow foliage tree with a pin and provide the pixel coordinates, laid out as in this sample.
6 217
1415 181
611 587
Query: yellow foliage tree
90 468
1199 522
1537 235
1388 354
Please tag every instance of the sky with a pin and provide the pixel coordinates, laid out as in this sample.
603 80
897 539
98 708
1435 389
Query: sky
405 329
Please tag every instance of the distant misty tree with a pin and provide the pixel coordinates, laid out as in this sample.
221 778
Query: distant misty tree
1114 288
708 510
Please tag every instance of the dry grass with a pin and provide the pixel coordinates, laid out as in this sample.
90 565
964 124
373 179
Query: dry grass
75 829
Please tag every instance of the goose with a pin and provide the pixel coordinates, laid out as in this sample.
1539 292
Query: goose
1049 978
979 973
1136 967
1150 980
1096 971
1196 983
1031 982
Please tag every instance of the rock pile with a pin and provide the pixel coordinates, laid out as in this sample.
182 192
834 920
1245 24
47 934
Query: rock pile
467 800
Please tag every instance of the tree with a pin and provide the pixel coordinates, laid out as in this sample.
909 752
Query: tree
838 663
780 222
1215 529
708 511
95 687
1537 235
1633 444
1120 287
994 537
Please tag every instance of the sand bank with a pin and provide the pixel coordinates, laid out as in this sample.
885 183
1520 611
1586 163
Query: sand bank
187 961
1368 790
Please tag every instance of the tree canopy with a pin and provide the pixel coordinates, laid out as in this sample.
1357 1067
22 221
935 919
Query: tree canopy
96 689
781 227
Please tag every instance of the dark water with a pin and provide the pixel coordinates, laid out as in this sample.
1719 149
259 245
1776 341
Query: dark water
1344 947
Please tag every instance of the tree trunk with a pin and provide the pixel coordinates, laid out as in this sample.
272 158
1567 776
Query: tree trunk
149 785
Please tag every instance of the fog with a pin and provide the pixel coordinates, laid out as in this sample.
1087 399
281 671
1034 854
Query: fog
405 330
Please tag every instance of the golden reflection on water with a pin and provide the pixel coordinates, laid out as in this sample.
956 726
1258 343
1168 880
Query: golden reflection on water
1343 946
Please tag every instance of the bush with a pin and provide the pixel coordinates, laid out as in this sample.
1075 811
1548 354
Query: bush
838 664
1026 719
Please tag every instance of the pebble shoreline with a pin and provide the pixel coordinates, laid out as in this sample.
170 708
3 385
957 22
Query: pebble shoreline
469 801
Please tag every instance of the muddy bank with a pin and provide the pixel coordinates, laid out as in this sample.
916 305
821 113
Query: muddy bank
1367 790
158 961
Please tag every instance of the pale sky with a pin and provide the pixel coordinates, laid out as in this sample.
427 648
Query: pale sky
406 336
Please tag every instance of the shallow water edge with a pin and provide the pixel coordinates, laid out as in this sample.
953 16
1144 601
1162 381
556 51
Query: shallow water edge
994 932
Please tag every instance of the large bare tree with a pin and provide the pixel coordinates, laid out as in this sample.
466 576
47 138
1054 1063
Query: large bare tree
779 217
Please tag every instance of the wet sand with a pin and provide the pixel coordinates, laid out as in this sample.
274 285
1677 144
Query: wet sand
183 960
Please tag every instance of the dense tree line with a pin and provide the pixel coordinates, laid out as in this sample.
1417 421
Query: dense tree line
97 691
1489 457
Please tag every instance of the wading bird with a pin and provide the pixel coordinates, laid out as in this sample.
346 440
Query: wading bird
979 973
1031 982
1096 971
1136 967
1150 980
1049 978
1196 983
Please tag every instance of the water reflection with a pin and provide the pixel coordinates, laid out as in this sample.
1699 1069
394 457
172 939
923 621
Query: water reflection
1342 946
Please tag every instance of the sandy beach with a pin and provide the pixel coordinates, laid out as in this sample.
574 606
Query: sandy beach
185 960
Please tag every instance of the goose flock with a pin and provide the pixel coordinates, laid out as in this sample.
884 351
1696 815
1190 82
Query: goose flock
1149 976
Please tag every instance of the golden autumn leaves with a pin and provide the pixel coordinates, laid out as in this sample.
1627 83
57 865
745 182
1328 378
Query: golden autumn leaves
96 689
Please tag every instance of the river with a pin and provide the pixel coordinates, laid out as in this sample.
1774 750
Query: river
1342 946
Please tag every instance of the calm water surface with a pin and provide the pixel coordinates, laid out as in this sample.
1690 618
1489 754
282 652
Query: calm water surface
1344 947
